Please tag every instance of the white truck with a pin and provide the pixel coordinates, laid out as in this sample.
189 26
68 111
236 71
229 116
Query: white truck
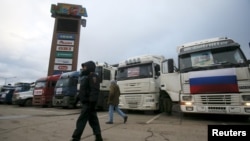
214 77
106 73
139 79
24 98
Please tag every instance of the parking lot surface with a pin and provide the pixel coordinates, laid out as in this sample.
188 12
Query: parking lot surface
57 124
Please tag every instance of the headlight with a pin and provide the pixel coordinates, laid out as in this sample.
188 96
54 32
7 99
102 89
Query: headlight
188 103
246 97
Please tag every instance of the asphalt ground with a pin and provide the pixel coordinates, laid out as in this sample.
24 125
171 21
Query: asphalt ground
56 124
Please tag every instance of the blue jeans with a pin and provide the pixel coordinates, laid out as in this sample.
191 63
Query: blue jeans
117 109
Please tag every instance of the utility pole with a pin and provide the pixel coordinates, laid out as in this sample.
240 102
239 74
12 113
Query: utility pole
5 79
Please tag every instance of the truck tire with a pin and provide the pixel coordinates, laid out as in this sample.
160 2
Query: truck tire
161 106
28 102
168 105
105 106
50 105
165 105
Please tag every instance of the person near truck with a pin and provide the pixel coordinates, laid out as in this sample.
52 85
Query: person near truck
113 101
89 90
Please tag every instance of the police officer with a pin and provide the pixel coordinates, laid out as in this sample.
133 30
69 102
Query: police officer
89 90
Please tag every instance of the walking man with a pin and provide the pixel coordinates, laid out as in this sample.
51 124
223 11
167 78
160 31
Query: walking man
88 94
113 101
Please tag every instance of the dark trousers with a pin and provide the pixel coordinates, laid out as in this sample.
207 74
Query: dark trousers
89 114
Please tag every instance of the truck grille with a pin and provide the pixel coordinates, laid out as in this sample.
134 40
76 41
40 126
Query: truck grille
217 99
217 109
133 101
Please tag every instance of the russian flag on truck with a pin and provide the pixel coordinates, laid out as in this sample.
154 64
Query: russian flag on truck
214 81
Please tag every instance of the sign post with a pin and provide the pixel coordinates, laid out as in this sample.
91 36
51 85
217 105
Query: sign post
66 35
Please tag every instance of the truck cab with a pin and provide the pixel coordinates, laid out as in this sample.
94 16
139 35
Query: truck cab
44 90
214 77
65 94
106 73
139 80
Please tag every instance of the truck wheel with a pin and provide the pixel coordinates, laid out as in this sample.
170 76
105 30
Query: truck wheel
50 105
28 102
168 105
105 106
165 105
161 104
21 105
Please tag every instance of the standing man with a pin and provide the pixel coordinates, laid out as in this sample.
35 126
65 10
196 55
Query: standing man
88 94
113 101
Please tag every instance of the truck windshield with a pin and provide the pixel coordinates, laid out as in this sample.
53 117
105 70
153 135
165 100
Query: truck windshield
67 82
40 84
212 59
98 70
135 72
19 87
6 90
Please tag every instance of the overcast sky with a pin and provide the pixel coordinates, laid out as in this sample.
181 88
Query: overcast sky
116 30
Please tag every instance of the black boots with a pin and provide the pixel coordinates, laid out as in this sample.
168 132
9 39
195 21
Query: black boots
98 137
125 119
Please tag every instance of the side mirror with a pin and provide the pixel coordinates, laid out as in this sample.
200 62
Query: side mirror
170 65
248 63
157 71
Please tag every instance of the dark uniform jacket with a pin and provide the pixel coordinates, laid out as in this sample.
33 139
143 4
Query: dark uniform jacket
89 84
114 94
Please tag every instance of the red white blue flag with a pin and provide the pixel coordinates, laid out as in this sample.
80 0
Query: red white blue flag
213 81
